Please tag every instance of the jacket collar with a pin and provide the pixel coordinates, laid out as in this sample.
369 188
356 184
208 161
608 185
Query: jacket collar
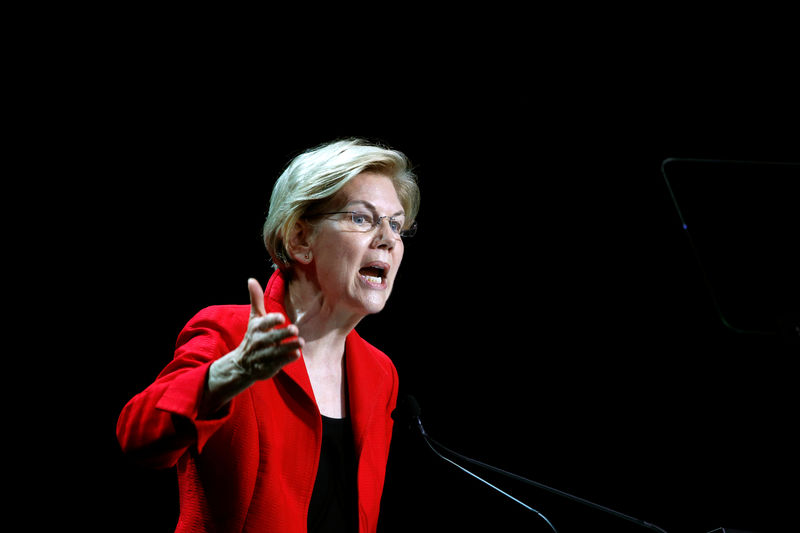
273 302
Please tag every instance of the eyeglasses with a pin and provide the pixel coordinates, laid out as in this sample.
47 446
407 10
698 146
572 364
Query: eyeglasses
365 222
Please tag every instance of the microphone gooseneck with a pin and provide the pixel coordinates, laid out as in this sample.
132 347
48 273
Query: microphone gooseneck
414 411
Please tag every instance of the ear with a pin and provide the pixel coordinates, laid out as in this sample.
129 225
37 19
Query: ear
299 240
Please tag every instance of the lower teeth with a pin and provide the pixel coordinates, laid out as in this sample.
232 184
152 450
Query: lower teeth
372 279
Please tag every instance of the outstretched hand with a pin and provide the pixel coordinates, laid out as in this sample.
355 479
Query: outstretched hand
266 347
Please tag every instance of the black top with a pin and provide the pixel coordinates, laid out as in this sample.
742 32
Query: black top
334 502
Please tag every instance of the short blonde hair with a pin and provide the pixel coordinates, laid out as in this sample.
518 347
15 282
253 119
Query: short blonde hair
318 174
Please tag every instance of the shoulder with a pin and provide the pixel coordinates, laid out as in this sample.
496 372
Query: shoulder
223 314
225 322
376 357
373 372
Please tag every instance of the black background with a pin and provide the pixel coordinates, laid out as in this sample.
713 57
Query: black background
549 316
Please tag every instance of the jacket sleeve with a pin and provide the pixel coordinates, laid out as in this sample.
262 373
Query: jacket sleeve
158 425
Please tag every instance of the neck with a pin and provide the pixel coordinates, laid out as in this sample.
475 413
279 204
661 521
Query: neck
322 325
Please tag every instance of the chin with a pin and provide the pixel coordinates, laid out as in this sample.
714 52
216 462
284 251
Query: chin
374 304
374 308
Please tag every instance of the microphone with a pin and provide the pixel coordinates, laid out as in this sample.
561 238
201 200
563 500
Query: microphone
413 410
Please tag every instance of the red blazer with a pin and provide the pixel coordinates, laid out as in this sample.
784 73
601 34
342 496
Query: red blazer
253 467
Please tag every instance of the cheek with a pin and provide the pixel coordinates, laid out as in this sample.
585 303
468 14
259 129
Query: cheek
338 259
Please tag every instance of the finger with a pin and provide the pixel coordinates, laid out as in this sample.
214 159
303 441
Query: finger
265 354
288 347
263 324
256 298
290 357
268 352
269 361
265 337
287 353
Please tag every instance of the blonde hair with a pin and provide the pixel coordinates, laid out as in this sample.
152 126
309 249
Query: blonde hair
318 174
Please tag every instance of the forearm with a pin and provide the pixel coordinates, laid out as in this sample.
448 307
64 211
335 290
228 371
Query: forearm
156 426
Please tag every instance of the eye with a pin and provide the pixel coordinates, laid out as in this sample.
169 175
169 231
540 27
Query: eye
396 225
362 219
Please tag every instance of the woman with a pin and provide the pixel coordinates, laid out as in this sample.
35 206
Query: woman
277 414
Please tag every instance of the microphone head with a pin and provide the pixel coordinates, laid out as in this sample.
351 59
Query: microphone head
407 409
413 406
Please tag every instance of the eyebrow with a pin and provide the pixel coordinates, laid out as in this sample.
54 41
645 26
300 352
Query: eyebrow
372 207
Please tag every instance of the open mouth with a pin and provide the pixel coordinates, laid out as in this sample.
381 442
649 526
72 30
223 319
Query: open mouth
375 273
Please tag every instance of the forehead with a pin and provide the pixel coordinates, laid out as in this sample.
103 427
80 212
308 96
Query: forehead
371 189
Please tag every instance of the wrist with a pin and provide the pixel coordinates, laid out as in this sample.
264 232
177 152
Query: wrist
226 378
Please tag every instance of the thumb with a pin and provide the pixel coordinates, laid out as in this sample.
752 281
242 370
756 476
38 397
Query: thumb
256 298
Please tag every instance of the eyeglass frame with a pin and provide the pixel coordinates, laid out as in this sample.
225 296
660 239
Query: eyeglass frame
407 233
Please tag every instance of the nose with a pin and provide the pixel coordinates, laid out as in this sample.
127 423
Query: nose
384 236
